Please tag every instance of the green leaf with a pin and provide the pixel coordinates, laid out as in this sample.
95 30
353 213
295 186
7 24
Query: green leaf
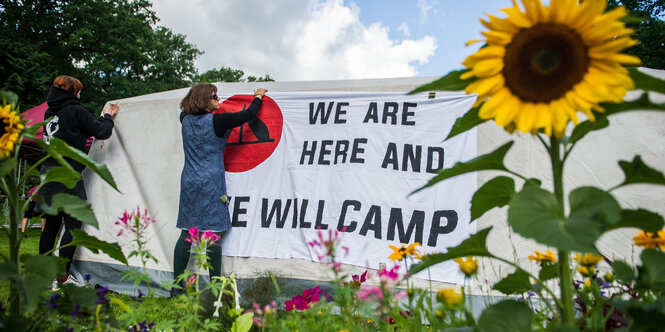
641 104
7 166
475 245
640 218
85 296
466 122
646 82
95 245
505 316
39 273
639 172
644 315
535 213
64 175
623 272
243 323
495 193
548 271
59 149
8 271
71 205
652 273
592 211
490 161
515 283
450 82
586 126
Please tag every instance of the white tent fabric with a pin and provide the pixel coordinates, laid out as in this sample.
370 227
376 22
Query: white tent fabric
145 156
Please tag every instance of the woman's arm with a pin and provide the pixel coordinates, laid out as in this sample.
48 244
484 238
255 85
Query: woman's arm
221 122
99 128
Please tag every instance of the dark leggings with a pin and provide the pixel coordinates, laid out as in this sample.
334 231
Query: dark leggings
182 251
50 234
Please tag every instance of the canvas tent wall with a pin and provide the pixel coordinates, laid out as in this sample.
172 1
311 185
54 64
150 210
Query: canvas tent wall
145 156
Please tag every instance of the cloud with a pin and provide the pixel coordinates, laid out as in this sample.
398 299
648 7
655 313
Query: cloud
292 39
404 28
426 7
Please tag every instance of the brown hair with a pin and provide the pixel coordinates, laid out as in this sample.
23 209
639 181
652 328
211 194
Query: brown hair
68 83
198 98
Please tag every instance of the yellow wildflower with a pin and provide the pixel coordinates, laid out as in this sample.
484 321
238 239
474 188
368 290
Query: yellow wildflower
448 296
468 266
548 256
649 240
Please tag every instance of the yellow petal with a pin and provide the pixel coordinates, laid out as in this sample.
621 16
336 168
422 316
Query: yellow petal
507 112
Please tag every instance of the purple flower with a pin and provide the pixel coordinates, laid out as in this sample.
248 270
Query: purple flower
51 301
141 327
87 277
138 298
76 312
101 295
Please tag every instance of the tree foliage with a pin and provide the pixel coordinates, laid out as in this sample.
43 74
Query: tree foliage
225 74
650 31
113 46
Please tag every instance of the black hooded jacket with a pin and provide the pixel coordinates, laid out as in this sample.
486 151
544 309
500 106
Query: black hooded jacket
72 123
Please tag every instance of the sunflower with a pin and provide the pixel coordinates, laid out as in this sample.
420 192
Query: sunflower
542 64
448 296
10 129
650 240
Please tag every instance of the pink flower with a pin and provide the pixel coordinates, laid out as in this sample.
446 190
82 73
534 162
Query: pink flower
302 302
391 274
190 281
370 293
193 235
206 238
134 222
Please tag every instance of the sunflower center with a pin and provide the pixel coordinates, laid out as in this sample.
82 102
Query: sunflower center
544 62
2 129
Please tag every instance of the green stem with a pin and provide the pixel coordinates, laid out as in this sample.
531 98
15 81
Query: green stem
567 315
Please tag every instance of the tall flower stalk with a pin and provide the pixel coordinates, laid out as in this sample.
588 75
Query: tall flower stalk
136 223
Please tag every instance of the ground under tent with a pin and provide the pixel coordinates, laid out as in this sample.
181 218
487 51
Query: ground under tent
308 163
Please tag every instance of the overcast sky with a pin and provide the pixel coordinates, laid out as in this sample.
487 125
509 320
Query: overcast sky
329 39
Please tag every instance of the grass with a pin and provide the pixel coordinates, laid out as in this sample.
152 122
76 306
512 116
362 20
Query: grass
156 308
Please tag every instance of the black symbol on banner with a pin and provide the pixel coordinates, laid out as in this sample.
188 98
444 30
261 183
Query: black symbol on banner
258 128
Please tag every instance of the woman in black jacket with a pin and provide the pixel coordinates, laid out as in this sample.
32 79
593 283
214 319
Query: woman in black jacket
73 124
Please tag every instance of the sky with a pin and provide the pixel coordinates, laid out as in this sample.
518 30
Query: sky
302 40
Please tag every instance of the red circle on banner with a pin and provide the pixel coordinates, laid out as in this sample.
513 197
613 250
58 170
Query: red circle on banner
253 142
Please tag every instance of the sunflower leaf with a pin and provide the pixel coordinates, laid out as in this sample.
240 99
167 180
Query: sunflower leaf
639 172
475 245
548 271
640 218
646 82
494 317
641 104
64 175
535 213
623 272
450 82
587 126
7 166
71 205
652 273
95 245
592 212
58 149
466 122
515 283
490 161
495 193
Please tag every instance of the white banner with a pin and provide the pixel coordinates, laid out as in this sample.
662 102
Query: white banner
330 160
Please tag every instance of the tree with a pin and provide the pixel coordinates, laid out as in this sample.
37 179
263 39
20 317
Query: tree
225 74
114 47
650 31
